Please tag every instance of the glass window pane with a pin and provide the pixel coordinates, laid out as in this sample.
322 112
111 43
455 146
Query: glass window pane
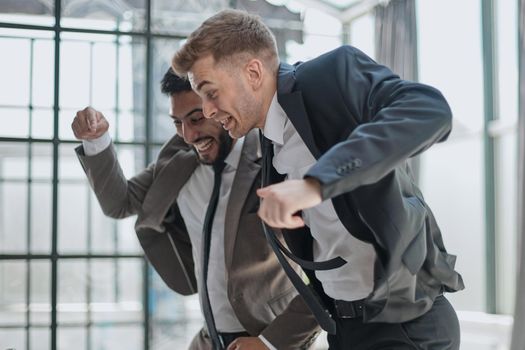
34 12
75 70
71 338
130 279
104 83
452 73
507 59
43 72
41 217
13 338
131 126
13 214
131 158
42 162
315 33
117 337
72 217
175 319
13 161
14 121
116 290
40 338
163 128
41 204
13 288
13 197
464 188
14 70
73 203
103 282
42 123
182 17
127 239
506 220
122 15
459 162
362 33
131 93
65 117
72 291
70 170
102 229
40 302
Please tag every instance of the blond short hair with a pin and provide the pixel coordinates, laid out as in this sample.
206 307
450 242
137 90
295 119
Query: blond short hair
228 34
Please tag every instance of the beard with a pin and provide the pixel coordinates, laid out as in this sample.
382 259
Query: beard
225 145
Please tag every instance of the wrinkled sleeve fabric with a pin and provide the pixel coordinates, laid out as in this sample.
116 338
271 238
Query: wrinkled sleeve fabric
397 119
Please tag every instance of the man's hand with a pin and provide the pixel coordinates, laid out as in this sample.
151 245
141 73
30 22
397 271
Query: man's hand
247 343
89 124
281 201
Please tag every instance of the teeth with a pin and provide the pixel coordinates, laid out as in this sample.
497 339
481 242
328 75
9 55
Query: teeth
204 145
225 121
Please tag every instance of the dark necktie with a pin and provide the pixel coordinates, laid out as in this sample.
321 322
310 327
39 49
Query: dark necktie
321 314
206 243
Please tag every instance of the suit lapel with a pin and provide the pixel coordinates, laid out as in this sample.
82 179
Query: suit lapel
293 104
166 187
242 183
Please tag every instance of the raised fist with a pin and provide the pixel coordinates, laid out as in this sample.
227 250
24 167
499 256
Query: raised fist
89 124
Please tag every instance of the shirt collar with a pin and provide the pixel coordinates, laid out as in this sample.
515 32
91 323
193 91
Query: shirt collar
275 122
233 157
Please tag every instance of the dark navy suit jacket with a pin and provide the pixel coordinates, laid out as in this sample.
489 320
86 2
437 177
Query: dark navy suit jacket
362 123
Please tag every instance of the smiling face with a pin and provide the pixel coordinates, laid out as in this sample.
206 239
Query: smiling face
231 95
206 136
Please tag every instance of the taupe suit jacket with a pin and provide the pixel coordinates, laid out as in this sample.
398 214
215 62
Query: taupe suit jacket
261 295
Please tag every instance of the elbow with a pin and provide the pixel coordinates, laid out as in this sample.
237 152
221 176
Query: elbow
114 212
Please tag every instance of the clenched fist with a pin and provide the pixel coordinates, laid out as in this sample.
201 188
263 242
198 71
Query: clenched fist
89 124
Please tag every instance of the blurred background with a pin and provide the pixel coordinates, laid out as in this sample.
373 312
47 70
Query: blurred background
71 278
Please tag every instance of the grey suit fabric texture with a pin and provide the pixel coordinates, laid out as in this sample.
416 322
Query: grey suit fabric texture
261 295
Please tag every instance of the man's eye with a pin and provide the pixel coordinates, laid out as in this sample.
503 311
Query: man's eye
177 122
211 95
196 120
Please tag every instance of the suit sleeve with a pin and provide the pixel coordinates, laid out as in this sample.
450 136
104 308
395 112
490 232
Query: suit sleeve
294 328
169 252
396 119
118 196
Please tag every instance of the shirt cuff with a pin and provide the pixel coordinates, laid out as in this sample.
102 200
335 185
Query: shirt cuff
95 146
267 343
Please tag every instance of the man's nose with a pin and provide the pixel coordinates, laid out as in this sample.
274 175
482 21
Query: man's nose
208 109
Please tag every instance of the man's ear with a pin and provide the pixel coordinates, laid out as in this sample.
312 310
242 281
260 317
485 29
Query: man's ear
254 71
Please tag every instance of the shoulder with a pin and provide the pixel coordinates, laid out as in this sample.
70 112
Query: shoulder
342 53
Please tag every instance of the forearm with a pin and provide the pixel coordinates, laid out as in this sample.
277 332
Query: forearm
118 197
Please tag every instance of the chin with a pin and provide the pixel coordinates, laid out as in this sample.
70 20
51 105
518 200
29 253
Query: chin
235 133
206 160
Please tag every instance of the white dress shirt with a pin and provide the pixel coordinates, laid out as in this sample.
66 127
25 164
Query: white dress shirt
354 280
193 201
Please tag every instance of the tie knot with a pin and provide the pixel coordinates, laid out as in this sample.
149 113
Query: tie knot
218 166
266 143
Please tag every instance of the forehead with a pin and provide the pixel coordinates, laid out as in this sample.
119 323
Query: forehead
184 102
204 70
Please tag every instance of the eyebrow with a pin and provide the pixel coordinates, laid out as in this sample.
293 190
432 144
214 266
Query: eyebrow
201 84
187 114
